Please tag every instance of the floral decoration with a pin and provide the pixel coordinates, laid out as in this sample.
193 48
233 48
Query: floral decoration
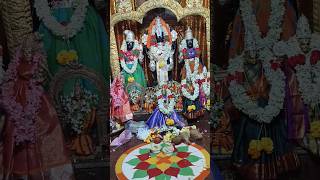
66 31
239 95
22 116
75 111
65 57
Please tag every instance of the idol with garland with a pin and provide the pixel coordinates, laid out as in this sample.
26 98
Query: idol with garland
303 55
194 69
33 139
165 113
194 76
131 56
160 46
189 54
73 32
257 90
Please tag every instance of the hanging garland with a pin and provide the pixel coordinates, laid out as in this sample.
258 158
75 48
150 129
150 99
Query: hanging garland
192 75
274 23
276 79
23 117
206 88
186 93
307 68
65 31
168 107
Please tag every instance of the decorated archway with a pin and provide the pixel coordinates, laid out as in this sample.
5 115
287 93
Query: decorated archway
127 12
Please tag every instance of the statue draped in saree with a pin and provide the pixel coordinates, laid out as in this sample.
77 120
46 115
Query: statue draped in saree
131 56
302 53
251 161
88 46
33 145
165 110
193 75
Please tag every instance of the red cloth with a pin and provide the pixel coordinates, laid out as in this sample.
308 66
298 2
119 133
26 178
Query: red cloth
49 149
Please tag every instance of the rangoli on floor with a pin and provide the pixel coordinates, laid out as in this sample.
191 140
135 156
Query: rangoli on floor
187 162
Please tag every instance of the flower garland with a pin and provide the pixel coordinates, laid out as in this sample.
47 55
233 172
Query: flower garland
23 117
309 84
258 146
66 31
307 67
131 55
186 93
274 23
206 88
243 102
76 111
166 108
151 38
192 75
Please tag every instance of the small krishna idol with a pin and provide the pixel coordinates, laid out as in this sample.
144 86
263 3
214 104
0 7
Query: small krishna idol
164 114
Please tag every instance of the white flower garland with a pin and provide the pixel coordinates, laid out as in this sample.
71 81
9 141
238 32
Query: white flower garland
243 102
135 63
72 28
166 108
192 75
309 87
310 90
186 93
76 112
206 88
275 22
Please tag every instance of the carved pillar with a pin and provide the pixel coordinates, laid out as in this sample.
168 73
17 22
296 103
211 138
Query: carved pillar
316 15
17 21
114 57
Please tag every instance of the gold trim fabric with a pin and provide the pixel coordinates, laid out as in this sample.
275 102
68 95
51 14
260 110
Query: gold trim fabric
17 21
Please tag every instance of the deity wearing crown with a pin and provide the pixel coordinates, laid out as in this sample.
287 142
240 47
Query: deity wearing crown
130 57
302 52
159 42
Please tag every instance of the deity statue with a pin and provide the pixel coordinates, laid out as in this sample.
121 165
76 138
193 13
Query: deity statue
189 54
130 56
193 75
33 139
257 90
80 114
165 111
120 104
302 53
73 32
160 45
